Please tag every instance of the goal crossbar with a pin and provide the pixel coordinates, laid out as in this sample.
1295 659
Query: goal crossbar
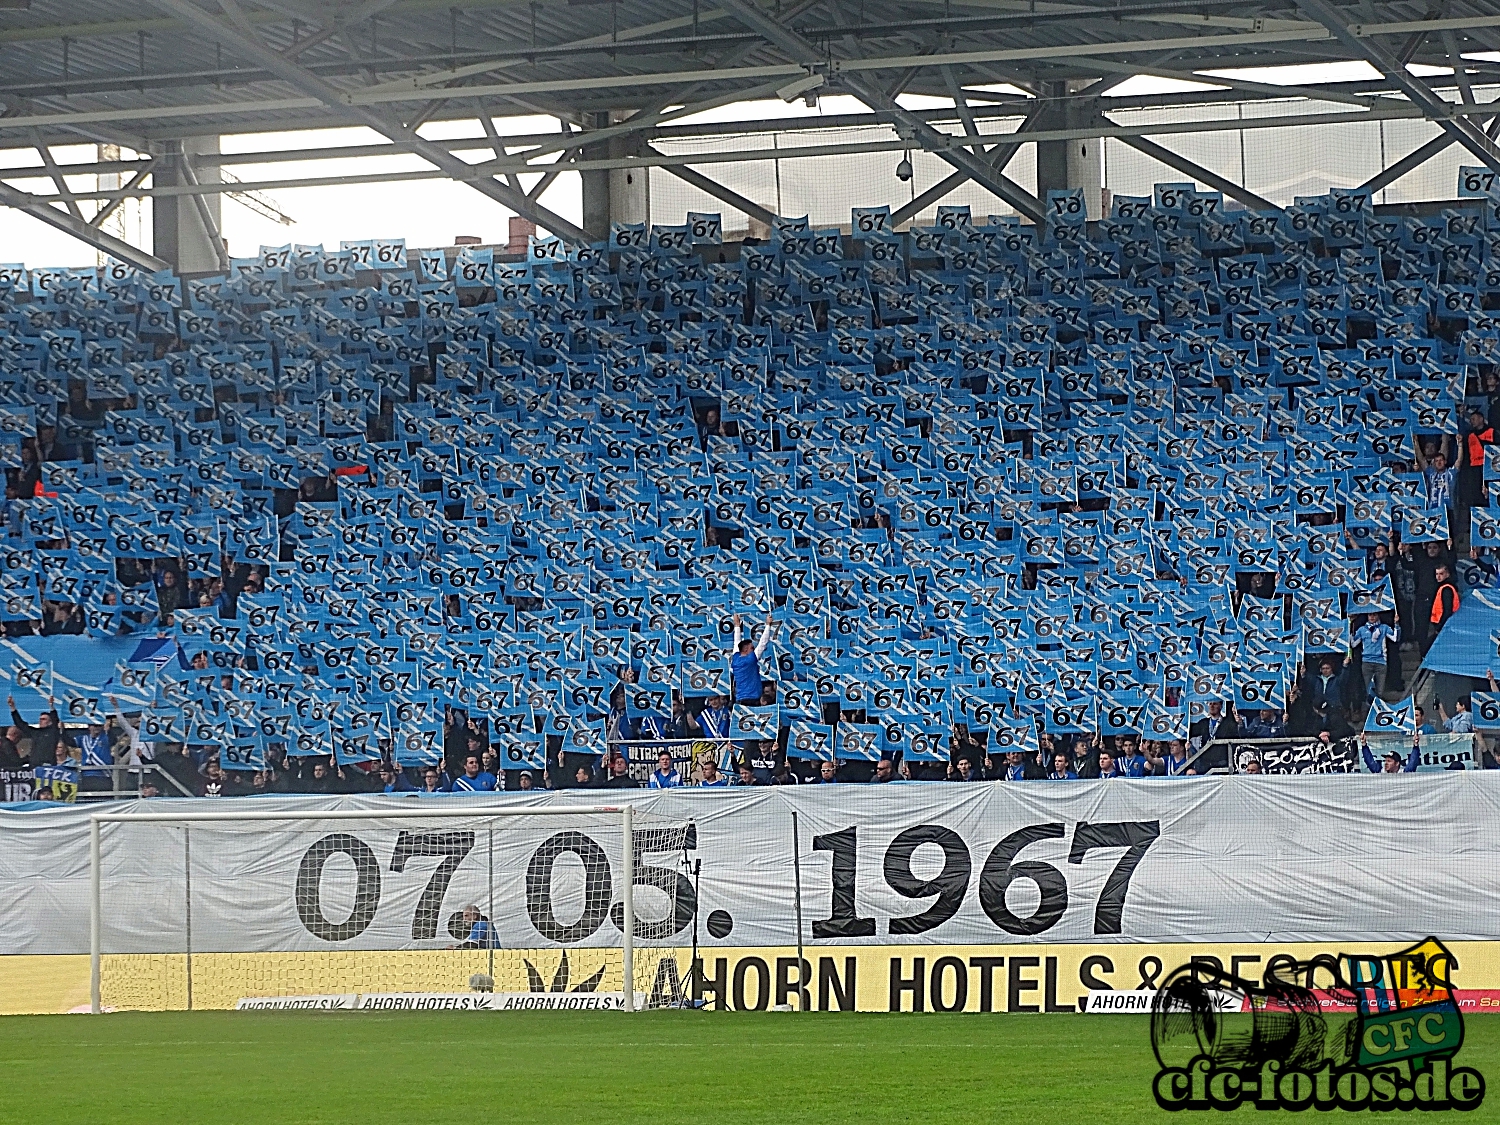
99 819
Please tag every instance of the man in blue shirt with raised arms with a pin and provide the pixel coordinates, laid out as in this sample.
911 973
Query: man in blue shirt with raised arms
1390 761
744 665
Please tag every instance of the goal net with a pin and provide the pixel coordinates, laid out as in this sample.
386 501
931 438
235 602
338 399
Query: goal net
436 905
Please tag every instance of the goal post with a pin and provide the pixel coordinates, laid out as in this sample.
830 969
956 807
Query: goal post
344 901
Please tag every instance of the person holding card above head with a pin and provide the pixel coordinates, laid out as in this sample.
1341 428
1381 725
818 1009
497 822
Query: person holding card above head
744 665
1437 474
44 735
1390 761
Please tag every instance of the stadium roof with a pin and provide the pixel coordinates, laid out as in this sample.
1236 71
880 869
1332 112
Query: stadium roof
143 73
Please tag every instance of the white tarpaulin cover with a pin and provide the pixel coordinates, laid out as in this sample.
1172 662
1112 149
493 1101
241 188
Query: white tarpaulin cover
1221 859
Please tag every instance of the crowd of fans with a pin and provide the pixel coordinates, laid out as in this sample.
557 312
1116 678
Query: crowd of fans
1224 477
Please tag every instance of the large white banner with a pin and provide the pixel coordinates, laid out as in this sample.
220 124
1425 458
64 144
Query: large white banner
1220 859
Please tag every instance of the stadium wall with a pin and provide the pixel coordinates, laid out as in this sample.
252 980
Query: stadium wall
1004 896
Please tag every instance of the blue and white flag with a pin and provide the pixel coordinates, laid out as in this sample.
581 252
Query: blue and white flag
1394 718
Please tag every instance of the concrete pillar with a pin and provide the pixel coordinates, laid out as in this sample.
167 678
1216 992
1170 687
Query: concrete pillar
1051 156
615 195
1077 163
178 231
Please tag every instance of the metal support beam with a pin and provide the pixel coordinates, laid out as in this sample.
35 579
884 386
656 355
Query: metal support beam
152 118
999 156
68 224
337 23
1460 70
1199 173
55 173
257 51
721 193
1434 108
1398 111
961 104
940 190
1416 158
649 120
111 206
1328 93
874 96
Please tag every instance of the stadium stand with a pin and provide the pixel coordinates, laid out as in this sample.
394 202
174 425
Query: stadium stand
1091 496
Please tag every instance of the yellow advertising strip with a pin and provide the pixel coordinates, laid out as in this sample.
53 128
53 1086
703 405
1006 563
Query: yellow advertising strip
998 978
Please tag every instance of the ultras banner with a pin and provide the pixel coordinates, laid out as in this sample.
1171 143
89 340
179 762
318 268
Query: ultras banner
1220 859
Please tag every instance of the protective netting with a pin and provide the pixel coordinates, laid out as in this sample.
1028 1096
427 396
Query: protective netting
1277 162
202 914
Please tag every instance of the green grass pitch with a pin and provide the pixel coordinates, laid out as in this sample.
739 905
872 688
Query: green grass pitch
578 1068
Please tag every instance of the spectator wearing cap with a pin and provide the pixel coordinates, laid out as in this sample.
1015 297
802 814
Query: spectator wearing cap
1390 761
1323 686
525 780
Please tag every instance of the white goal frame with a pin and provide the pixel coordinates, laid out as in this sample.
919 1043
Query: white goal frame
97 820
